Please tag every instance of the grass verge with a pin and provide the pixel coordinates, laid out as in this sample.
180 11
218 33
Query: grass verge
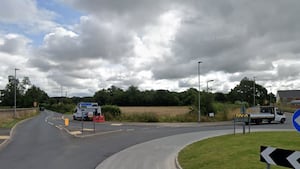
9 122
235 151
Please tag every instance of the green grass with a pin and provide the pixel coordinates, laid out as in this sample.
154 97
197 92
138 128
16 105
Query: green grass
235 151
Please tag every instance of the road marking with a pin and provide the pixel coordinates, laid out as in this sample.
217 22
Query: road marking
59 127
266 155
52 124
4 137
46 119
293 159
116 124
87 129
75 132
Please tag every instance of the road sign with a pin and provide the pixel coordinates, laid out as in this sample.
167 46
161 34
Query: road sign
296 120
280 157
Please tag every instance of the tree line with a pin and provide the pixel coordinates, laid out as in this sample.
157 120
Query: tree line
242 93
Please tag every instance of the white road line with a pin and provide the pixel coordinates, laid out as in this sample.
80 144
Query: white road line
59 127
116 124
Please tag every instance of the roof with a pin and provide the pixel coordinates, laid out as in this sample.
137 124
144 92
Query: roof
289 93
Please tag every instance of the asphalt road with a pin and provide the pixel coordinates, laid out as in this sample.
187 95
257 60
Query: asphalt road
42 143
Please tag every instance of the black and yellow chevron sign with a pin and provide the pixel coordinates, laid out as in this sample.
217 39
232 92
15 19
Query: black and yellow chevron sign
240 115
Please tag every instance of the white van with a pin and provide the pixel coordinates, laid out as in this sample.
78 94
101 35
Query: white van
86 111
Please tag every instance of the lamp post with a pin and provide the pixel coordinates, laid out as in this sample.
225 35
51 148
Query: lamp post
199 111
254 91
15 96
207 84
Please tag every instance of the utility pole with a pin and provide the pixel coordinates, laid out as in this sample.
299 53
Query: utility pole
270 95
207 85
254 91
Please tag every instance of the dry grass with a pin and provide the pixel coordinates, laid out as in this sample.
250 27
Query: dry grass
7 119
163 110
233 112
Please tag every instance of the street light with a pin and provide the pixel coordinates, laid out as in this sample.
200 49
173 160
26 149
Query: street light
254 91
207 84
199 111
15 97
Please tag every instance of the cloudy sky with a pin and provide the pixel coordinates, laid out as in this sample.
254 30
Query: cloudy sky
84 46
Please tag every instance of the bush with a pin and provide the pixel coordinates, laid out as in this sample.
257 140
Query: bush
61 108
110 111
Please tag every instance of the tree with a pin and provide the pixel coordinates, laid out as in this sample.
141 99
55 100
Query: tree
133 96
245 90
34 94
189 97
9 92
102 97
207 100
165 98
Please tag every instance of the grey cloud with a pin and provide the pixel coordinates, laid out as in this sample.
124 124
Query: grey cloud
94 40
64 80
288 71
124 81
171 70
14 44
133 13
42 64
237 36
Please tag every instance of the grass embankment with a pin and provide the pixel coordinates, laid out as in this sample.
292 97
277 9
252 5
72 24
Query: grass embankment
9 122
235 151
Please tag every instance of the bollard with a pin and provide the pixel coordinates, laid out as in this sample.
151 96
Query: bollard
66 122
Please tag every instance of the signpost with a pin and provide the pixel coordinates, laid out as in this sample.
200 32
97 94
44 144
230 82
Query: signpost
242 117
280 157
296 120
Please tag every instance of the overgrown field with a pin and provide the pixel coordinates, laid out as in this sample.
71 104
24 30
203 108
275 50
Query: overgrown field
8 121
235 151
159 110
175 113
157 114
